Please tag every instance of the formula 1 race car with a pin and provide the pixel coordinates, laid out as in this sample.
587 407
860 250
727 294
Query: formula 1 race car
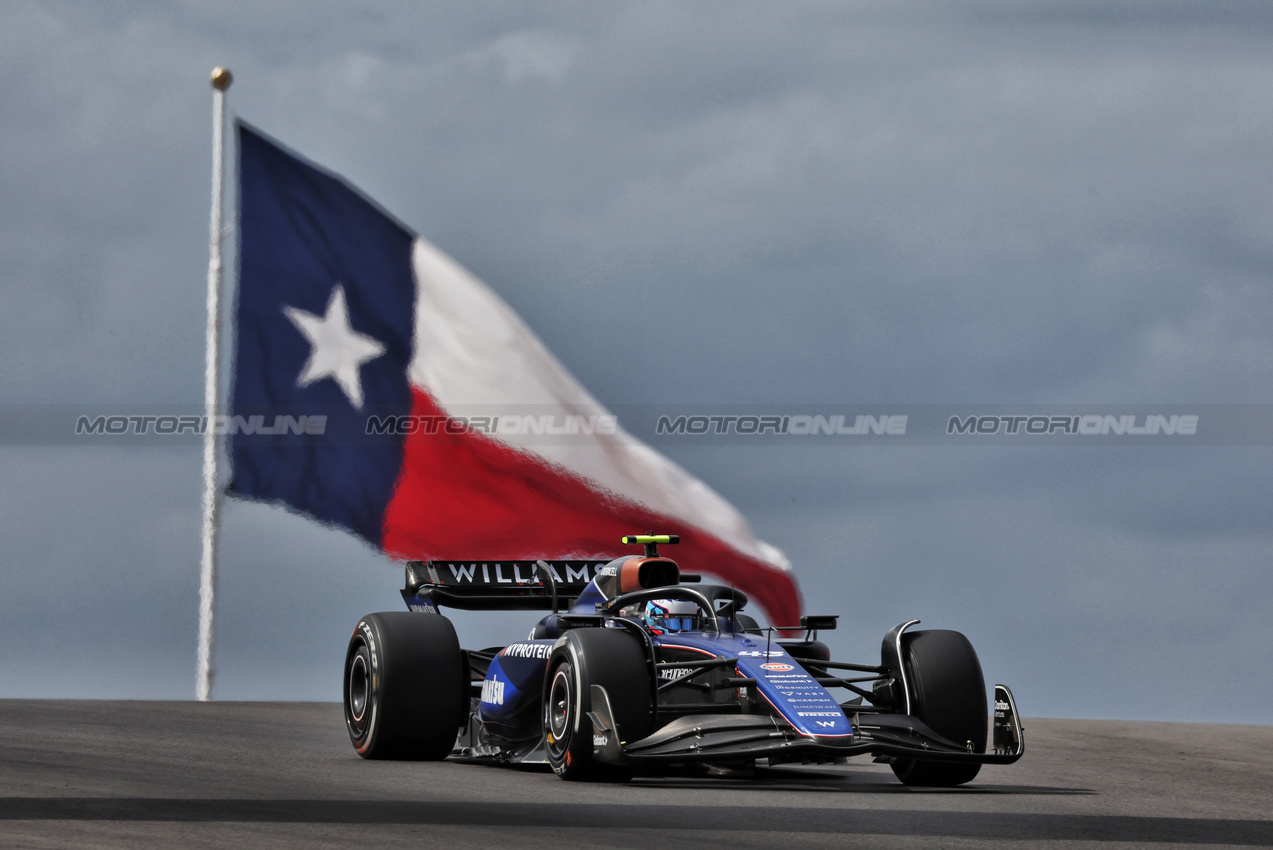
648 669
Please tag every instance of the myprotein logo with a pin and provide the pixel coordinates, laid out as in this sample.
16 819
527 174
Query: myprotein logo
527 650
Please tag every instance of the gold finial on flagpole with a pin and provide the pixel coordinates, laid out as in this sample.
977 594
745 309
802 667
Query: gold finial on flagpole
221 78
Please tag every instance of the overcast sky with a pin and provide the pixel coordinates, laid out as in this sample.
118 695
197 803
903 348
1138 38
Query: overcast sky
769 204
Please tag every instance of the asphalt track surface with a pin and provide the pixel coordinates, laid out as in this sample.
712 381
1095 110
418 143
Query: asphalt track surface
178 774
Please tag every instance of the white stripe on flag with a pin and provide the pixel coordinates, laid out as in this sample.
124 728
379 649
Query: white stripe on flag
471 349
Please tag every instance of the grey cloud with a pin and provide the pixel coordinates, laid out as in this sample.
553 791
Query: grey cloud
829 203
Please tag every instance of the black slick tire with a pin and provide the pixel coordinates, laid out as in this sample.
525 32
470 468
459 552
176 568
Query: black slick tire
948 693
613 659
405 686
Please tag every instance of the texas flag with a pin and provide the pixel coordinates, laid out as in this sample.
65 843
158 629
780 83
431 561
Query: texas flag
436 424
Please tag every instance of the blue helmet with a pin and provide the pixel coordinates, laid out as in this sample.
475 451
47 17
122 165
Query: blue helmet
671 615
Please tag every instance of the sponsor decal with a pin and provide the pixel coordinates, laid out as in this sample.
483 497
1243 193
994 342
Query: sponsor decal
423 606
511 572
493 692
777 667
818 713
672 673
371 645
527 650
826 723
773 653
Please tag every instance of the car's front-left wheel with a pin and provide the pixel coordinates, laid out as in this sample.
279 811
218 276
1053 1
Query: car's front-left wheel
613 659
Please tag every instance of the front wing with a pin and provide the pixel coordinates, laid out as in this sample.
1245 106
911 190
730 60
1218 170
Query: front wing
730 737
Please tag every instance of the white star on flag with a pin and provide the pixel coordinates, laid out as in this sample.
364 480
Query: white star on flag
338 350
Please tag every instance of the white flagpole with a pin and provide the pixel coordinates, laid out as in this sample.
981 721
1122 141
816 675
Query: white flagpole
204 674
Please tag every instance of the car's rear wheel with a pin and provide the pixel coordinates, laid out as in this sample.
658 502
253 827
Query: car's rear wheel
947 692
405 686
613 659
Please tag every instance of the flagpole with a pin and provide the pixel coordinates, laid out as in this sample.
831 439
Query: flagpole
204 673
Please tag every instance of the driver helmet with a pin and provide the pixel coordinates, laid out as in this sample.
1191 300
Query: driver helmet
671 615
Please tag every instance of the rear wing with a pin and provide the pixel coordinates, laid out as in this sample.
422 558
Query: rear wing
497 585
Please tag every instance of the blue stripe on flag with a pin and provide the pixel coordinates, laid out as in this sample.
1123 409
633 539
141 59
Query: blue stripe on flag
302 233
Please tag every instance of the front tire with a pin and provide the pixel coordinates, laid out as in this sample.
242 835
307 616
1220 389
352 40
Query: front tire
613 659
948 693
405 686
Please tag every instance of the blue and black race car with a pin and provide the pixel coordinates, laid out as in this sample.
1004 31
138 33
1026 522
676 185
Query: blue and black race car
639 667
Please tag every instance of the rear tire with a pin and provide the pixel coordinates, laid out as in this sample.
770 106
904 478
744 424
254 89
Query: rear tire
948 693
613 659
405 686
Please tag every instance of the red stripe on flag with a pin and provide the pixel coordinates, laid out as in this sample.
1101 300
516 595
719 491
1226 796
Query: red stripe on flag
470 497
